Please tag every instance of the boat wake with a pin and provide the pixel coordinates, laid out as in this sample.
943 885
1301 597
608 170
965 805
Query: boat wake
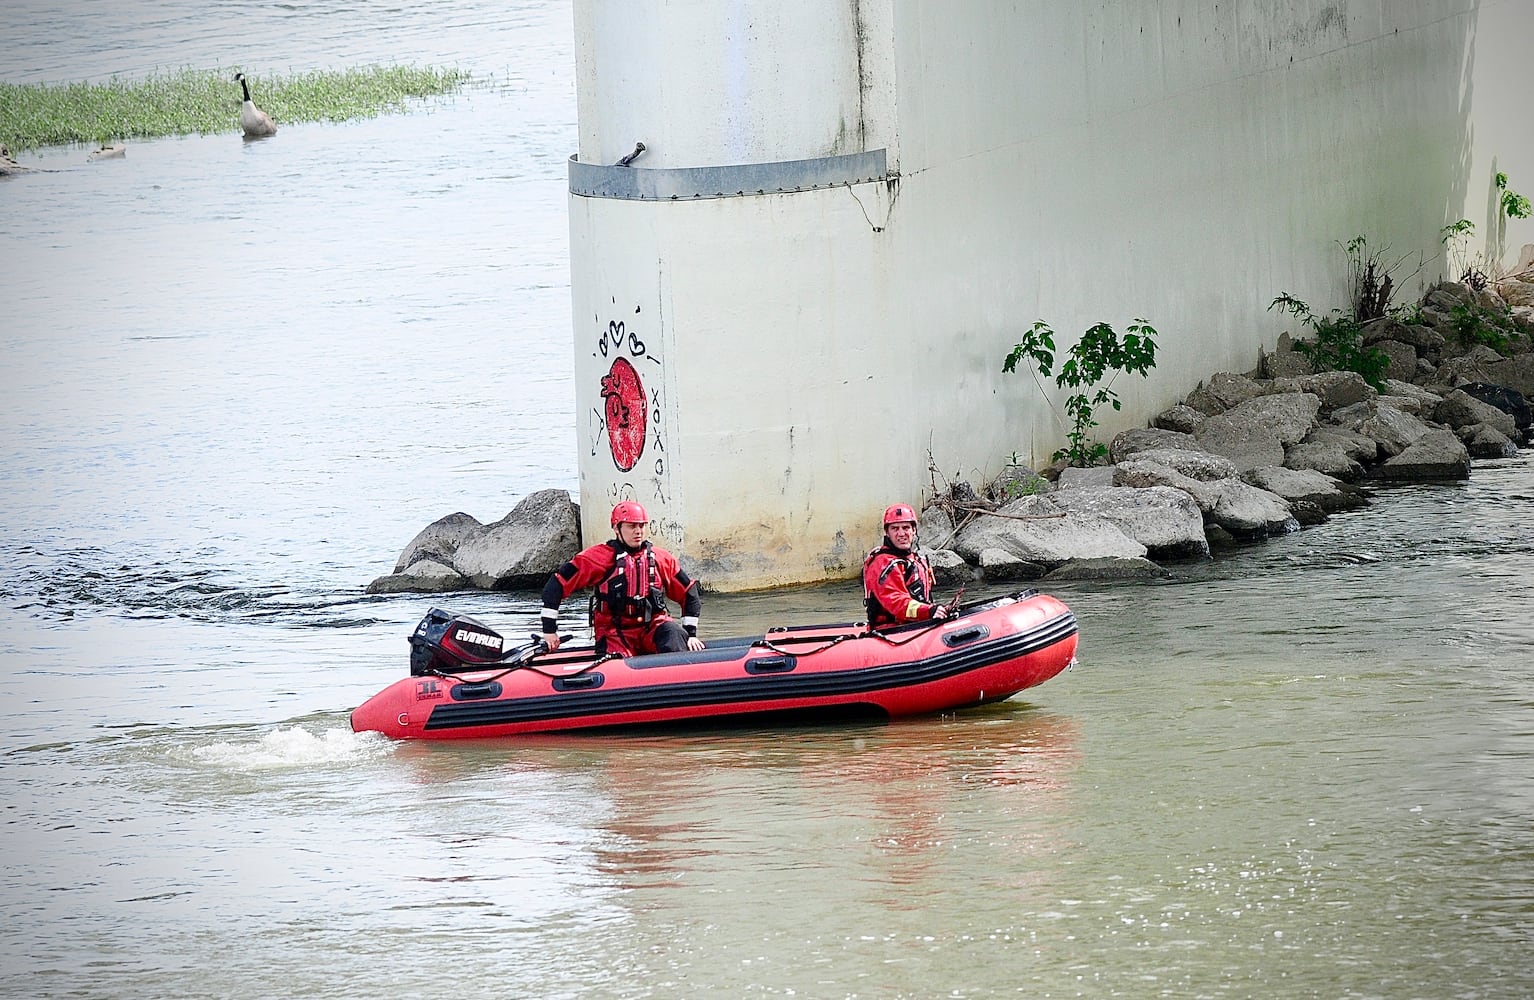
70 583
293 747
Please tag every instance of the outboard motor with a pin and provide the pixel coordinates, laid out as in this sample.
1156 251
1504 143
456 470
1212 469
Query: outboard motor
444 642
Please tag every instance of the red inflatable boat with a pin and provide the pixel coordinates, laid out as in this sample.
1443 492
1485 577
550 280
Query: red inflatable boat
465 684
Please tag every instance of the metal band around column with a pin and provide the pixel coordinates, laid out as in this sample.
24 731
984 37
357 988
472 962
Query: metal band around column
590 180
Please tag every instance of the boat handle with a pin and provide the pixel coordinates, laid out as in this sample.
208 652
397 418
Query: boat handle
474 692
771 665
579 682
964 635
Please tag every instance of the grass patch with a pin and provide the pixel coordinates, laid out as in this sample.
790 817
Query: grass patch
205 102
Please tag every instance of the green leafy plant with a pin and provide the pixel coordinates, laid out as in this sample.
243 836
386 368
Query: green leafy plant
1009 485
1475 324
1097 355
1032 486
1409 315
1338 344
1514 205
1469 267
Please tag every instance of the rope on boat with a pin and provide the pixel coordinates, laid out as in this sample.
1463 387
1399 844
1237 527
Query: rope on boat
432 672
916 633
766 643
525 666
573 673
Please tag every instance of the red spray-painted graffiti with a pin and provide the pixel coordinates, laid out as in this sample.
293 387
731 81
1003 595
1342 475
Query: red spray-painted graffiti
624 404
630 421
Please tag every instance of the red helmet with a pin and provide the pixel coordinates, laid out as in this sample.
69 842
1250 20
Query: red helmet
897 513
629 512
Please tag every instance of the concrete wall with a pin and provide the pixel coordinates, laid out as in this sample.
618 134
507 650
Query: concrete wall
809 336
1497 91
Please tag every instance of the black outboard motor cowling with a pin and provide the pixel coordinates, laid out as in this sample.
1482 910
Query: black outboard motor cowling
444 642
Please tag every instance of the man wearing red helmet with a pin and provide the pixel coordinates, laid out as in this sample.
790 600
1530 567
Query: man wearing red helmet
632 579
897 579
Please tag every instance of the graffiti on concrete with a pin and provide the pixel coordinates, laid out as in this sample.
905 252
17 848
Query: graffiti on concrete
632 413
624 413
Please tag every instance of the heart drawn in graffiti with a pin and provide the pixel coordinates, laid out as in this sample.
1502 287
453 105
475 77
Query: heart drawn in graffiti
624 398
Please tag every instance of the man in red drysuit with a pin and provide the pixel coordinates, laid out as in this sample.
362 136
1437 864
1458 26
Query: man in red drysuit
632 580
897 579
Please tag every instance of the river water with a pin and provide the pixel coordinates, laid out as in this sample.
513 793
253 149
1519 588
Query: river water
238 377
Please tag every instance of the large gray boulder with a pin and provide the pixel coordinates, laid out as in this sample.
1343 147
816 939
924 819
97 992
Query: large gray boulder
1438 454
1247 512
1333 452
1411 398
518 552
1486 442
1244 511
1284 361
422 576
1256 432
1391 428
1424 340
1200 465
1034 530
1225 391
1334 390
1400 359
1098 477
1000 566
1138 439
521 549
1307 486
1460 409
1517 293
1164 520
1514 373
1182 419
935 528
1476 363
1445 295
438 542
1510 401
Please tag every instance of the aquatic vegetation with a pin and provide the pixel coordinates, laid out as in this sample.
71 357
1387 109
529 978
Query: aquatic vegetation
204 102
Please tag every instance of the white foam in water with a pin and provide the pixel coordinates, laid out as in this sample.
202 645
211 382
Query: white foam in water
293 747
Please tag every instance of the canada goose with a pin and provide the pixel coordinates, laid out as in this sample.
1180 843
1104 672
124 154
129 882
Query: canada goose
8 164
253 120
